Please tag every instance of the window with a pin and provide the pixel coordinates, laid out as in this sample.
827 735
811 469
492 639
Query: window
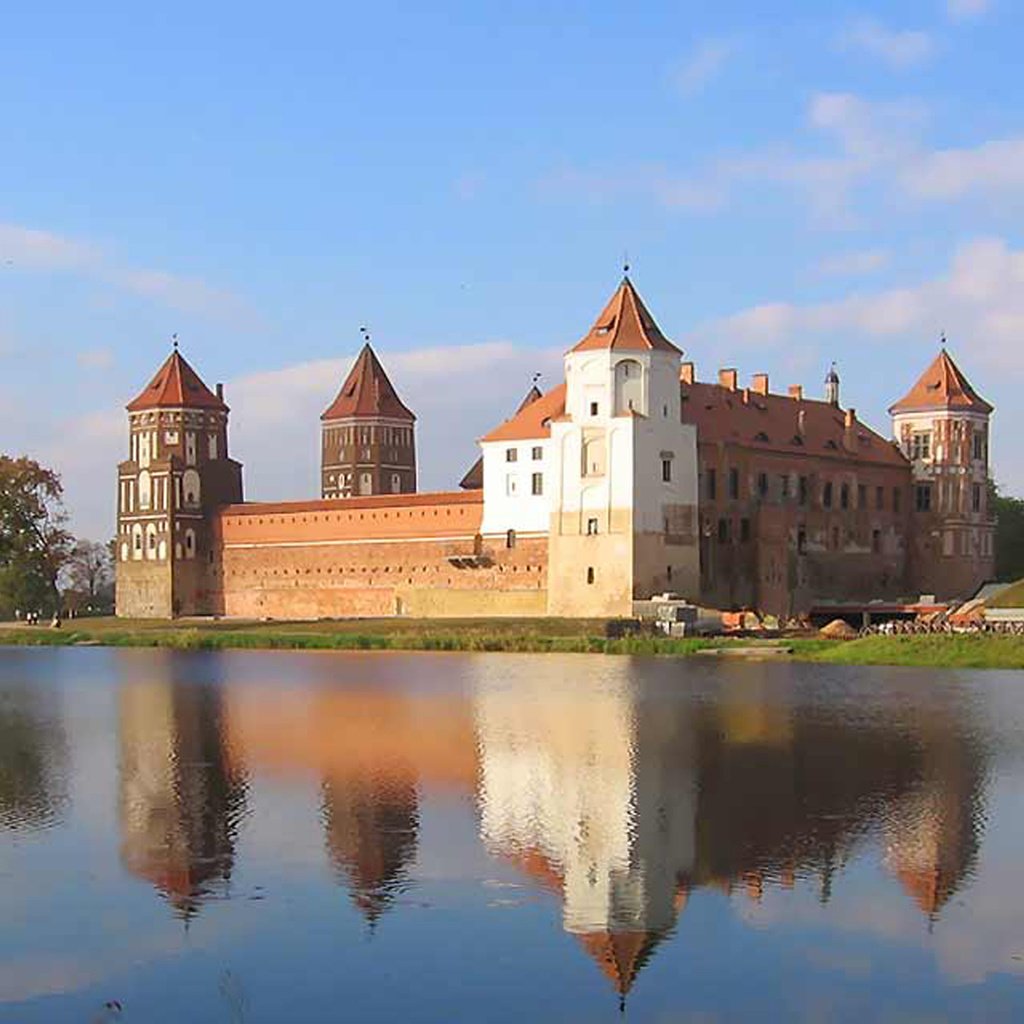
879 498
835 538
979 445
862 496
511 485
762 485
396 483
510 539
801 541
804 489
666 471
784 486
923 497
590 574
365 455
592 527
511 454
711 484
844 496
537 484
211 442
537 453
876 541
744 530
734 483
921 445
897 498
826 494
724 531
976 498
593 408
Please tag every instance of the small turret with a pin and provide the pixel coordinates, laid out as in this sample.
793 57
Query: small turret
832 386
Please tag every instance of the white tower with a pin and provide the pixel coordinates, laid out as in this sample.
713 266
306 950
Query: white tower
623 470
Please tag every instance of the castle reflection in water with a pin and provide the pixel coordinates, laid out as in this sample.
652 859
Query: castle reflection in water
619 798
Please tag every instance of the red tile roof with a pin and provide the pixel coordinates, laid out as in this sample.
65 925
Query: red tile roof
176 386
367 392
260 508
941 386
625 323
774 423
474 478
532 420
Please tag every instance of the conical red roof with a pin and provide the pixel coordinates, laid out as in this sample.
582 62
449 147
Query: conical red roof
176 386
625 323
942 386
367 392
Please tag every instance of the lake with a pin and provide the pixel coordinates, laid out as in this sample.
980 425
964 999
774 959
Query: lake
262 836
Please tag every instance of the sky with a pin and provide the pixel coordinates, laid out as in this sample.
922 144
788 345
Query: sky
792 184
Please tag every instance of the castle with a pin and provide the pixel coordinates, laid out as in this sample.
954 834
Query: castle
629 479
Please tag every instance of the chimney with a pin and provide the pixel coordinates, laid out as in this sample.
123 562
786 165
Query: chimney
220 392
760 384
801 422
851 418
727 378
746 396
796 391
686 373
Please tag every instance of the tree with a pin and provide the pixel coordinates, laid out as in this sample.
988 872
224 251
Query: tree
89 574
34 545
1009 549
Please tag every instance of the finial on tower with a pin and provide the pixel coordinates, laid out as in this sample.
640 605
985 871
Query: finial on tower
942 339
174 341
625 263
536 377
365 332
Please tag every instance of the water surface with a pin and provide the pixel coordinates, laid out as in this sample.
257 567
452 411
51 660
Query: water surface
240 836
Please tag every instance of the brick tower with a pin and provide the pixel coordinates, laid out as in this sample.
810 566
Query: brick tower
367 436
942 426
176 474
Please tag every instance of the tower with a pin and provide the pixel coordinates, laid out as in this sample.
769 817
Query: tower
832 386
942 426
367 436
624 503
177 472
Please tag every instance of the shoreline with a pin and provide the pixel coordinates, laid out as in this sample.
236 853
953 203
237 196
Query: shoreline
520 637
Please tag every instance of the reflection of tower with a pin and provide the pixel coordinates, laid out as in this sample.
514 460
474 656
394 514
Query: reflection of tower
564 794
180 799
932 834
371 836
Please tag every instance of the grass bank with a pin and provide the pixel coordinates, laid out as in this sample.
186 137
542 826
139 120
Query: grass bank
563 636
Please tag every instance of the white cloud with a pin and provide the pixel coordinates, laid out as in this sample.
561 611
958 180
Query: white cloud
96 359
703 64
953 173
899 49
851 264
961 10
30 249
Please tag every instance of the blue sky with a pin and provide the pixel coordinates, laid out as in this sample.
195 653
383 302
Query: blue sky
821 182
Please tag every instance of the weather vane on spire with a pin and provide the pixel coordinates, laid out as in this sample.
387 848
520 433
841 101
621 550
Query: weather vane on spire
625 263
942 338
174 341
365 332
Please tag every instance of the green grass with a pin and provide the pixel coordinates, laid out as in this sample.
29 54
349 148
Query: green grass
562 636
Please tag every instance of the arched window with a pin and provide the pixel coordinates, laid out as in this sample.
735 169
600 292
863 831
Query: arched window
190 543
145 489
137 541
190 487
151 540
629 387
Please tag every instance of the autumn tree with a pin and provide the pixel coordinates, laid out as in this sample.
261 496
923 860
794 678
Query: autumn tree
34 544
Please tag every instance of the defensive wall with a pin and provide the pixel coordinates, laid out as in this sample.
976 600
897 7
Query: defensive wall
403 554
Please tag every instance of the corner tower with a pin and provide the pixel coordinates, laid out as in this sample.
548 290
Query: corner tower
624 507
177 472
942 426
367 436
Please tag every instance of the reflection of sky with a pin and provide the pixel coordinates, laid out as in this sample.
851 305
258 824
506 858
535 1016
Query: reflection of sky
472 935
